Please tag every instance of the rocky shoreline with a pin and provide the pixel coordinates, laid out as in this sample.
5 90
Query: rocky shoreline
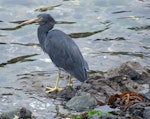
125 88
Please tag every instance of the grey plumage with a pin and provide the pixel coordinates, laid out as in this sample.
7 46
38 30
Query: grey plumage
62 50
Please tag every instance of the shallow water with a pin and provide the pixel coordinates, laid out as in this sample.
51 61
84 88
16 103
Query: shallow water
107 32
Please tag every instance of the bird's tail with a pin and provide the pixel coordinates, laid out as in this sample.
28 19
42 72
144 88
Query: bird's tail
80 74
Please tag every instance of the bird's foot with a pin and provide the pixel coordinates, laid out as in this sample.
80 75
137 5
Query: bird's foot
49 90
70 84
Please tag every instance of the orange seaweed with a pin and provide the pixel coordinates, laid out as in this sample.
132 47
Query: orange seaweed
125 99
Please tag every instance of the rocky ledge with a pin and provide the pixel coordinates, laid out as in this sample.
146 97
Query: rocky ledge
125 89
119 93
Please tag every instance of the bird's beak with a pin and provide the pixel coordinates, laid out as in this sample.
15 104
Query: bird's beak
31 21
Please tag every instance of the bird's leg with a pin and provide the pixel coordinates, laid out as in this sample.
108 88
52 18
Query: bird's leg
70 81
56 88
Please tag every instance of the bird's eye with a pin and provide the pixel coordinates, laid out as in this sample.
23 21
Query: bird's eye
42 22
40 18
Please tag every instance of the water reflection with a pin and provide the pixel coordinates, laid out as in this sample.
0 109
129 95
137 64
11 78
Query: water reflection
1 43
136 54
140 28
17 22
32 74
24 44
146 47
120 12
72 35
64 22
16 27
20 22
19 59
43 9
2 35
110 39
86 34
11 28
27 44
131 17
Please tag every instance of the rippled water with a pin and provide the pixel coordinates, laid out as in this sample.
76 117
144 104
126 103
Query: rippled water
107 32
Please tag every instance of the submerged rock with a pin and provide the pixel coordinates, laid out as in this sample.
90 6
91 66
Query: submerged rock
146 113
137 109
107 117
81 103
22 113
67 93
147 95
131 69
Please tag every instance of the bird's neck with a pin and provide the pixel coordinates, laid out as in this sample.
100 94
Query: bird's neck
42 34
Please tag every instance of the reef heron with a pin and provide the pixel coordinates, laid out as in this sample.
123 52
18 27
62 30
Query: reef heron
62 50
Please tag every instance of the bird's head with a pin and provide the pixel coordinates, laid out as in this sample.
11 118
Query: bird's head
45 18
42 19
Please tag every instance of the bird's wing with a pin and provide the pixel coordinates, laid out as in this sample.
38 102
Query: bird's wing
65 54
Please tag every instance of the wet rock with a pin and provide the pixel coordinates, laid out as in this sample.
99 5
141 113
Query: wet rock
107 117
147 95
86 86
129 76
81 103
131 69
146 113
137 110
95 117
104 88
110 39
124 83
67 93
96 85
21 113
